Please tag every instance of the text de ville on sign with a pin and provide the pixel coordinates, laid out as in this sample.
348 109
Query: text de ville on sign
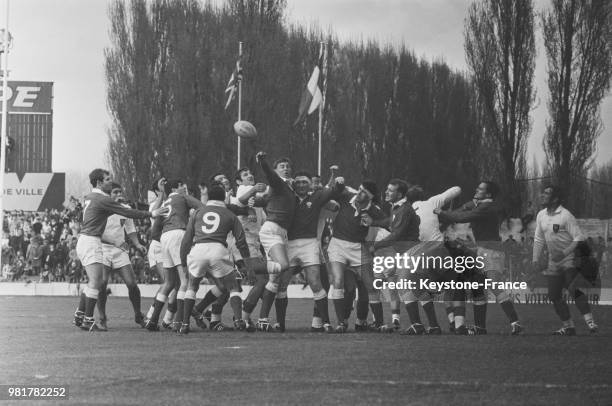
24 192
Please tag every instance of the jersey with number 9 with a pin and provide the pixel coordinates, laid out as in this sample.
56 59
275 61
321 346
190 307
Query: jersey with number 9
213 223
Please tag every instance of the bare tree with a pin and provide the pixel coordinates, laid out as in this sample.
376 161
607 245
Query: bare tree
579 57
500 51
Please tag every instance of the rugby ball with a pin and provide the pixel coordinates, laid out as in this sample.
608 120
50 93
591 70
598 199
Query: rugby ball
245 129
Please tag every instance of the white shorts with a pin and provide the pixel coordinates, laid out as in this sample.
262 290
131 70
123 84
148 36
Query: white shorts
304 252
171 247
272 234
154 253
348 253
113 257
89 250
209 258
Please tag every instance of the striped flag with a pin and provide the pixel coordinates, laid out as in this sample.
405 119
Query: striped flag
312 96
232 84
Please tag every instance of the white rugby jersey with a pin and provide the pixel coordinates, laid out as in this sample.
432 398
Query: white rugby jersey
116 227
429 229
558 230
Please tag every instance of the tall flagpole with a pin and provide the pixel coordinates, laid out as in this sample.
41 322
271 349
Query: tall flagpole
239 99
3 135
322 51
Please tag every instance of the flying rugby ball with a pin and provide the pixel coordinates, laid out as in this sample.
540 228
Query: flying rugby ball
245 129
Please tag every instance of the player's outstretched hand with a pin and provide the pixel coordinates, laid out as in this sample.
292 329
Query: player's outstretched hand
340 180
161 211
260 156
260 187
334 168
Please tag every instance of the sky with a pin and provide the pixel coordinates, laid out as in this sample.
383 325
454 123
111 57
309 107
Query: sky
63 41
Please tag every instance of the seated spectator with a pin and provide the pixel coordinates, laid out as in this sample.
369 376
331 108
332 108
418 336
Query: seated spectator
45 275
74 271
59 273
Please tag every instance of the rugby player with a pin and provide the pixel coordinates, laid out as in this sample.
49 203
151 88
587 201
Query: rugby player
484 215
207 232
280 207
303 248
403 235
557 228
115 258
431 244
98 206
174 223
346 248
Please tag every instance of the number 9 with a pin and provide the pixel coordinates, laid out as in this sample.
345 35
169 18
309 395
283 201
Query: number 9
211 222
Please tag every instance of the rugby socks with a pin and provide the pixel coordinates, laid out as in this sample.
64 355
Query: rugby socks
412 308
337 296
236 304
317 322
321 306
134 294
450 313
158 305
280 305
82 302
562 310
582 302
480 314
395 315
102 296
267 299
508 308
150 312
210 297
377 311
568 323
180 306
430 312
90 301
459 315
349 300
188 303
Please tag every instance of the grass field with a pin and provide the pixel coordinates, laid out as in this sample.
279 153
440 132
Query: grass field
130 366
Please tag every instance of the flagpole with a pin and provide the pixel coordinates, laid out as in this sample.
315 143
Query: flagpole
321 106
239 103
3 135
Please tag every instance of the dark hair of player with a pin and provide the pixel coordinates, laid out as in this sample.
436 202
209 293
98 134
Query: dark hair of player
216 191
212 178
115 185
97 175
556 192
415 193
492 188
402 186
302 173
155 182
239 173
172 184
280 161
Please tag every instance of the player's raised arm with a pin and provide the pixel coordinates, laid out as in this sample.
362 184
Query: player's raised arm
445 197
114 207
274 180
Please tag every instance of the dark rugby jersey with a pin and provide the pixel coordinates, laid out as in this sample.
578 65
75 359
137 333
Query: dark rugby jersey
99 207
484 217
280 207
307 212
347 224
212 223
178 216
403 227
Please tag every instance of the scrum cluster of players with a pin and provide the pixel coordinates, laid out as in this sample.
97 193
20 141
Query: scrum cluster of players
273 230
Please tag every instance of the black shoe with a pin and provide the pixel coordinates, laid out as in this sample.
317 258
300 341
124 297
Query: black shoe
78 318
167 326
89 324
451 328
218 326
361 328
434 331
240 325
250 326
477 331
151 326
462 331
140 319
565 331
317 329
341 329
207 315
184 329
416 329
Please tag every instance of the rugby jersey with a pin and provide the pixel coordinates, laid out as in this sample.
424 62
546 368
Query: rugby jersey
179 206
213 223
307 211
403 227
429 229
280 207
98 207
116 228
558 230
347 224
484 216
